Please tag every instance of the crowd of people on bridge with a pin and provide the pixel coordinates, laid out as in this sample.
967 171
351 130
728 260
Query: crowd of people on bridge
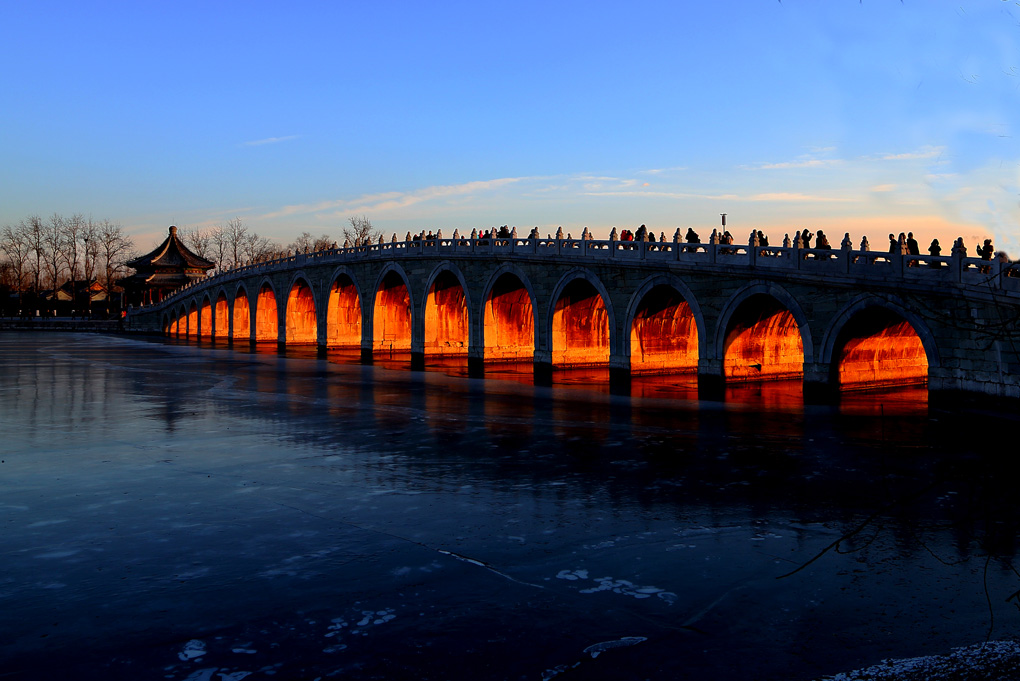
902 244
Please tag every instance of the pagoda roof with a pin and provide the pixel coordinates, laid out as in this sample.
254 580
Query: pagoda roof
171 253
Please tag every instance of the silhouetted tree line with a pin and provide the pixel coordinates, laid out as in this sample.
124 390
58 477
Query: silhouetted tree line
61 264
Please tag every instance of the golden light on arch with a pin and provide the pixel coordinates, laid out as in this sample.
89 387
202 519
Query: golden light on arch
580 328
343 314
391 316
763 342
301 320
446 317
266 317
193 321
205 319
221 327
242 316
509 321
664 334
878 348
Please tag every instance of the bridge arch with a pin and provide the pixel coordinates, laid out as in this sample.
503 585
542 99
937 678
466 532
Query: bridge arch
665 327
241 313
193 319
267 318
180 319
763 334
445 311
581 324
344 310
508 312
392 312
876 341
221 315
205 317
166 324
301 326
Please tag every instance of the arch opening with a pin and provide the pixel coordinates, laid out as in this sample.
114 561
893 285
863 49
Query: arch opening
343 314
763 342
664 334
509 321
192 329
878 348
391 317
580 329
446 317
221 317
205 320
242 316
266 319
301 321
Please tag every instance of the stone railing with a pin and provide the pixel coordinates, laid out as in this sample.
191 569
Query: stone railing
890 268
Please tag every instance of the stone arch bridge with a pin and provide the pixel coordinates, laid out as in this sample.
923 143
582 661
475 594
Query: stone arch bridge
837 319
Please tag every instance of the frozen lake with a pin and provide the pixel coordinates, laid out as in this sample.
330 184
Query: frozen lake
191 512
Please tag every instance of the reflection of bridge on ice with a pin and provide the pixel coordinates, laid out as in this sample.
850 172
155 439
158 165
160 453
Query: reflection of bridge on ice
727 312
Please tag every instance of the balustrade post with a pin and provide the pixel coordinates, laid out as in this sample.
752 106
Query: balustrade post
897 260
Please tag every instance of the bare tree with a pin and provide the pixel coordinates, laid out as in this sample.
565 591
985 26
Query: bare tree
306 242
218 247
73 229
361 231
302 244
197 240
114 249
15 246
90 250
34 231
234 236
256 248
53 243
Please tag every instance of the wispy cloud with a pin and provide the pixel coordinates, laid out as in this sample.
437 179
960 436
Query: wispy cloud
389 201
659 171
883 188
925 152
793 196
800 163
269 140
774 196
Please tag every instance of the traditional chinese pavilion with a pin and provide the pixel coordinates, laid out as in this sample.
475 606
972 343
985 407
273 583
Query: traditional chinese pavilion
166 269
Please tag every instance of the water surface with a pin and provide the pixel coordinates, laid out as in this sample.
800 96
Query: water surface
195 512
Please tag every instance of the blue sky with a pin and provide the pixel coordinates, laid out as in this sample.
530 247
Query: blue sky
866 117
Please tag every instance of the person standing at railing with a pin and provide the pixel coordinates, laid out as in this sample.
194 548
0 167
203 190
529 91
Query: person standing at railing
822 243
894 246
935 251
805 238
985 252
912 249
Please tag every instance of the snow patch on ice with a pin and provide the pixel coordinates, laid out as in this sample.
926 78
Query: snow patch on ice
375 617
193 648
994 659
619 586
599 648
233 676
